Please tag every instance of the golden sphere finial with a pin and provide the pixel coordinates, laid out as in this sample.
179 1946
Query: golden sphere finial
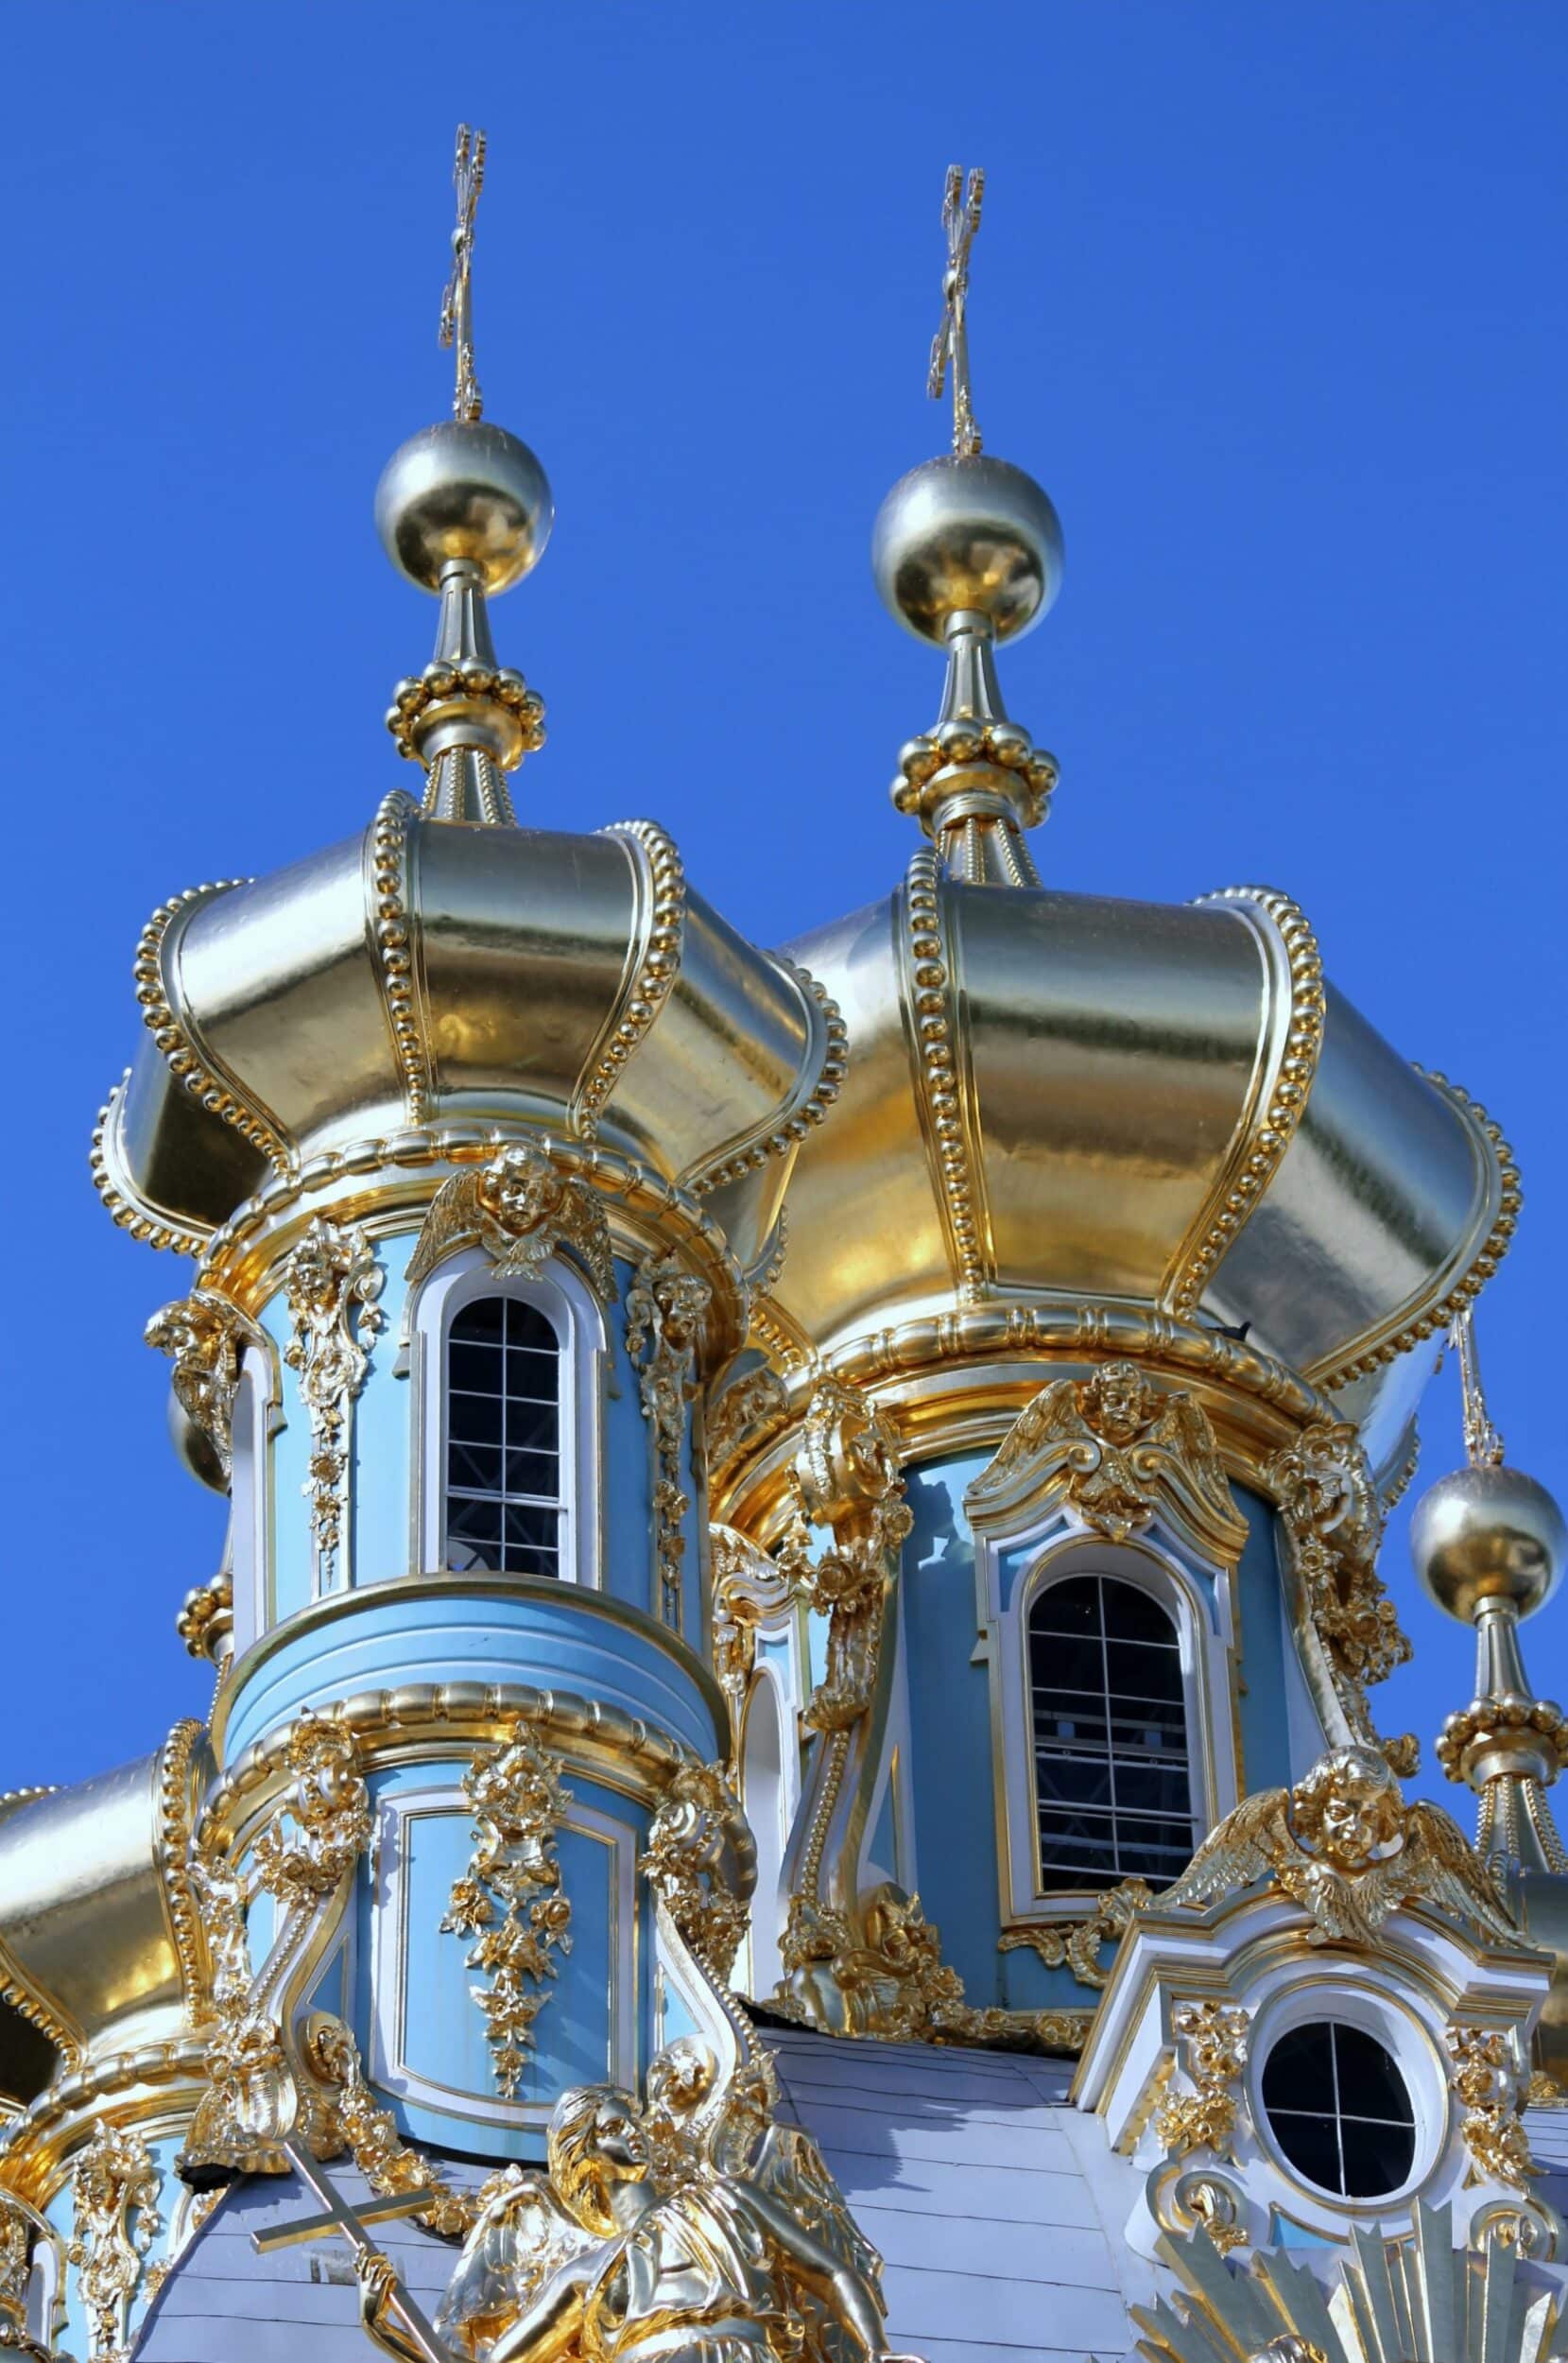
1486 1533
464 491
967 536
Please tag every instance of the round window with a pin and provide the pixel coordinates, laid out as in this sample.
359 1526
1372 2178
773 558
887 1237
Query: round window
1341 2110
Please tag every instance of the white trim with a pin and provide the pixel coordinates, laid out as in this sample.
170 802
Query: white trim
1316 2000
574 1313
393 1939
1063 1546
250 1494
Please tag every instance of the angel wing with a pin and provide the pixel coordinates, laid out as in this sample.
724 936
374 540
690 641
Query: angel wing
792 2170
1254 1839
521 2237
1437 1865
453 1221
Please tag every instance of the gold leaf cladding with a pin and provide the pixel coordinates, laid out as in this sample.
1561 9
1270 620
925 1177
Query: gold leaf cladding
168 1030
1264 1133
1491 2084
666 1307
142 1224
1332 1518
937 1051
651 974
814 1096
509 1899
114 2222
522 1209
331 1281
1123 1448
1345 1846
174 1848
392 928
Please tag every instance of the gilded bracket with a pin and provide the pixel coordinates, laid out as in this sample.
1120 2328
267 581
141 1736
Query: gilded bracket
331 1281
667 1310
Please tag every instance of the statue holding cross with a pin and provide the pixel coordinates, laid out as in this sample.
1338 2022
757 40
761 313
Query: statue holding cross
961 202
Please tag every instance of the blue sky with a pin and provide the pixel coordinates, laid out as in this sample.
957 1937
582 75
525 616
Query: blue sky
1272 300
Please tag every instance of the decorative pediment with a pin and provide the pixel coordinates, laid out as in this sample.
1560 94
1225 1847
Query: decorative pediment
1123 1449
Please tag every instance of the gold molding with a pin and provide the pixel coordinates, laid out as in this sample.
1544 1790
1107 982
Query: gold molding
652 964
197 1070
939 1047
176 1799
1277 1098
667 1310
814 1094
115 2180
130 1214
392 923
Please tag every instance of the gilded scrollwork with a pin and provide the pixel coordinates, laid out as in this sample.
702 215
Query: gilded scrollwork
880 1972
522 1209
331 1281
688 2222
1345 1846
1490 2082
846 1476
369 2132
204 1336
1212 2039
1075 1943
19 2231
1122 1447
750 1589
114 2191
1333 1519
510 1901
667 1310
750 1410
206 1620
685 1862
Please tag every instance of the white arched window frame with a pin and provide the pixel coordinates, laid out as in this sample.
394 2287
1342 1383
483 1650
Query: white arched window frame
768 1753
1199 1602
563 1297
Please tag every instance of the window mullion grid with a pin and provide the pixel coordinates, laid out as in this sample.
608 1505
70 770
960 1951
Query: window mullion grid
1339 2111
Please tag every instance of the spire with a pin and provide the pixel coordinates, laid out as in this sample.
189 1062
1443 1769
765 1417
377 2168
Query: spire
1489 1544
967 553
464 511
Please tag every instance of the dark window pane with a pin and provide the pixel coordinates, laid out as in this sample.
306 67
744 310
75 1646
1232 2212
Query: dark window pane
1071 1719
1378 2158
1153 1788
484 1318
475 1418
1370 2084
474 1468
527 1526
530 1560
527 1326
473 1521
1312 2146
1067 1662
1074 1780
1136 1617
532 1427
1140 1729
531 1373
1073 1607
480 1368
1138 1671
1299 2072
533 1472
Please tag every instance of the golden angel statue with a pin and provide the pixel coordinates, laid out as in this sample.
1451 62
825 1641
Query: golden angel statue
693 2229
1344 1844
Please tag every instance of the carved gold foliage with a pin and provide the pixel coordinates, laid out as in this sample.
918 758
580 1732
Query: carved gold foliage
522 1210
1344 1845
1077 1942
749 1589
636 2189
509 1899
18 2231
666 1307
1123 1448
1409 2299
881 1973
748 1411
1491 2085
846 1476
331 1281
1212 2039
684 1863
1332 1516
114 2222
203 1334
370 2133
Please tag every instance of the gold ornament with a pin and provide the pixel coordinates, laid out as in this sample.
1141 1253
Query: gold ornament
1124 1448
666 1307
1212 2036
1333 1517
1491 2085
1077 1942
846 1476
522 1210
371 2135
203 1334
206 1620
114 2222
749 1589
748 1412
331 1281
19 2227
1344 1845
510 1900
683 1863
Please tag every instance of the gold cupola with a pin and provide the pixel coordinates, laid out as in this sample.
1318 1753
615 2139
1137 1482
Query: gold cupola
443 974
1072 1120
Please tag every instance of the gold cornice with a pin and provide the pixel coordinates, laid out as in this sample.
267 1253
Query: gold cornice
652 964
202 1075
392 923
937 1041
1291 1037
375 1713
154 2085
1462 1278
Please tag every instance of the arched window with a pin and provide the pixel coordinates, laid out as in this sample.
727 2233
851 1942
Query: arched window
1112 1784
504 1498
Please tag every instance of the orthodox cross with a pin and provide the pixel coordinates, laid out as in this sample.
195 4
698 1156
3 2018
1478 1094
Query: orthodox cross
349 2223
468 179
950 346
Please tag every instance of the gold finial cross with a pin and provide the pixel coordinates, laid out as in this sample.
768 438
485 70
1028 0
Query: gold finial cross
468 178
950 346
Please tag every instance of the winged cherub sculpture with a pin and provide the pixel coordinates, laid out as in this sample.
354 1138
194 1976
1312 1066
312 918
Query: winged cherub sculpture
1344 1844
521 1208
693 2229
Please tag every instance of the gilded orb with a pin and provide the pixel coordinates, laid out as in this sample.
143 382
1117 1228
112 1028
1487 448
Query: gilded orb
1488 1534
464 491
973 535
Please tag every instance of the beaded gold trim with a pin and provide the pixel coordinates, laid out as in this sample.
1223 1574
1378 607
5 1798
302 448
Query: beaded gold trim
216 1093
